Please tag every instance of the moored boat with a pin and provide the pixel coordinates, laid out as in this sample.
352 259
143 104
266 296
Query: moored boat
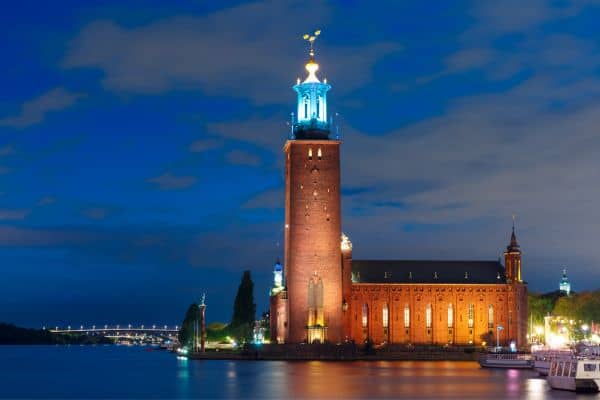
575 374
543 358
506 360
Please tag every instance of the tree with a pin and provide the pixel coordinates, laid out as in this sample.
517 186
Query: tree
244 310
188 326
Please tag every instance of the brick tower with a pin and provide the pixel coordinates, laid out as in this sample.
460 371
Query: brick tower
312 217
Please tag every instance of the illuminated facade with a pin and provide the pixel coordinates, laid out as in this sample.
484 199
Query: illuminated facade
564 285
330 297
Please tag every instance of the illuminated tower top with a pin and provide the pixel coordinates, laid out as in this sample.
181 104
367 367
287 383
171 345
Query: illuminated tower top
277 278
311 117
564 285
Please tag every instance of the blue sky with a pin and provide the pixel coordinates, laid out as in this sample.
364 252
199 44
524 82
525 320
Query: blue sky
140 145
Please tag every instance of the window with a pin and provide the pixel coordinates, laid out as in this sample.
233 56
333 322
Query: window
385 316
318 107
319 153
573 369
450 315
490 316
470 316
310 154
589 367
365 315
406 316
428 316
305 106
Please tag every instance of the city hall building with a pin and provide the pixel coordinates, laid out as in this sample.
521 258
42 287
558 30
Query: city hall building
321 294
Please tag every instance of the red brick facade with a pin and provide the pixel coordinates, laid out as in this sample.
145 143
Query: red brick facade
321 303
312 240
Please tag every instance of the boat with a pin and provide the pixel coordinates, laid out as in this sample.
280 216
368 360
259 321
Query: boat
543 358
506 360
577 374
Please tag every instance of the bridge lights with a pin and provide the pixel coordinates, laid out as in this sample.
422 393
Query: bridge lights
153 326
129 326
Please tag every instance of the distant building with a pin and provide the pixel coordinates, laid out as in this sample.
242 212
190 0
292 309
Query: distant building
328 296
564 285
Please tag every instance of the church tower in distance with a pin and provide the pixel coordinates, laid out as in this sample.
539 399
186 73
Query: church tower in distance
312 216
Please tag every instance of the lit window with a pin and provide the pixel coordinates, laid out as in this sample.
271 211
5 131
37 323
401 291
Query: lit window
310 154
305 107
450 315
428 316
490 316
365 315
386 316
318 107
406 316
319 154
470 315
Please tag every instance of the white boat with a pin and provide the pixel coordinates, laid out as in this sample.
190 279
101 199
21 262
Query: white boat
543 358
506 360
575 374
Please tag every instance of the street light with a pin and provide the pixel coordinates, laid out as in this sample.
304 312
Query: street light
585 328
498 329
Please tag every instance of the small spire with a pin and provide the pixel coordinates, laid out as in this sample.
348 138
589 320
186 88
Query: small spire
514 245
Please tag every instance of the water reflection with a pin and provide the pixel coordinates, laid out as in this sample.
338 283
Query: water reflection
112 372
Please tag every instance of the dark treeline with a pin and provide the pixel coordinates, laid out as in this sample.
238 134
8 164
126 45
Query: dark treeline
12 334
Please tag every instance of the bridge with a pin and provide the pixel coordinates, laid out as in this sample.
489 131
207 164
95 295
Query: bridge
106 330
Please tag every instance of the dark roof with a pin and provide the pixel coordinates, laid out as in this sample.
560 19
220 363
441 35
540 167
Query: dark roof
421 271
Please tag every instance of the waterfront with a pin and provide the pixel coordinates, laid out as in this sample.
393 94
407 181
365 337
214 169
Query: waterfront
135 372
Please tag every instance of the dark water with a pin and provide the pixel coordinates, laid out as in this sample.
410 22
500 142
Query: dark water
134 372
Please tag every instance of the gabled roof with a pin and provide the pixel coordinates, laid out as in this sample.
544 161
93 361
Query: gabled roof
424 271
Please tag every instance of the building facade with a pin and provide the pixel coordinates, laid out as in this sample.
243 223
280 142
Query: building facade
328 296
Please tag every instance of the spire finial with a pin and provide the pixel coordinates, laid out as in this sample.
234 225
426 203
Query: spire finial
311 40
514 216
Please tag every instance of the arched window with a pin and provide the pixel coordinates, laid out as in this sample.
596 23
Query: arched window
319 153
305 100
385 316
310 154
450 315
406 316
490 316
365 316
470 316
428 316
318 107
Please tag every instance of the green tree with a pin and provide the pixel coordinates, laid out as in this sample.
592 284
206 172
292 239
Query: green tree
188 326
244 310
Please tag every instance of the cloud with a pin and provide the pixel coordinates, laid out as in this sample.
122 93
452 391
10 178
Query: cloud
12 214
202 145
98 213
46 200
7 150
34 111
247 47
167 181
240 157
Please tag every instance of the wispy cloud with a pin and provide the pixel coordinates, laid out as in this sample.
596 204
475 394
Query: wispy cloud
240 157
201 145
12 214
167 181
34 111
252 52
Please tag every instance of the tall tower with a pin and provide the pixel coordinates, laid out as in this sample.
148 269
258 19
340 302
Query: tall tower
312 217
564 285
512 258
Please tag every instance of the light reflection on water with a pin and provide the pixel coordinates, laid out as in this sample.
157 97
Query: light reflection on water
109 372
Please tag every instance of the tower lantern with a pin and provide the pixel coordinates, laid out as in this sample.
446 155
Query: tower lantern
311 117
